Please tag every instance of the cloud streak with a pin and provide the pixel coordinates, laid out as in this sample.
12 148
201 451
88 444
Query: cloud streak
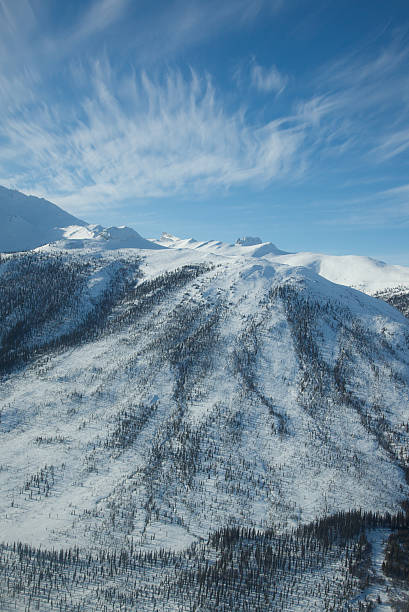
137 137
94 136
268 79
363 99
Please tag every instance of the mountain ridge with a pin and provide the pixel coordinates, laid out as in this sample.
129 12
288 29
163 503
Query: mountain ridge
38 229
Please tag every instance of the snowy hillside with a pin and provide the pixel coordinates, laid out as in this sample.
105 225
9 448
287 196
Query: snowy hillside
99 238
196 425
398 297
170 417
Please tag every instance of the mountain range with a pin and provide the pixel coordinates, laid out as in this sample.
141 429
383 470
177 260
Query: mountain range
28 222
199 426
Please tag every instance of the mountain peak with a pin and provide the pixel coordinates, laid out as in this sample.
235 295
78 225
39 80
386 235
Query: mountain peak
167 236
125 237
27 222
249 241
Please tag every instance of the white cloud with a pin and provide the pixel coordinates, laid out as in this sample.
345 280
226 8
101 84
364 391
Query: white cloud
139 137
393 144
35 39
384 208
363 98
268 79
98 17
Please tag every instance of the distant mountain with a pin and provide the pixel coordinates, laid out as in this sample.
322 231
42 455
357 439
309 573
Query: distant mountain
27 222
363 273
248 246
249 241
109 238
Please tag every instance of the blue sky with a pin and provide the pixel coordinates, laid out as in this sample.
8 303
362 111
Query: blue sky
288 120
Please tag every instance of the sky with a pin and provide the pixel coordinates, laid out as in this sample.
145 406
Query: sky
287 120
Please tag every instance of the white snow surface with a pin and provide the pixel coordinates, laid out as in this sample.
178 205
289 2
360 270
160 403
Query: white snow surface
363 273
99 238
247 246
229 385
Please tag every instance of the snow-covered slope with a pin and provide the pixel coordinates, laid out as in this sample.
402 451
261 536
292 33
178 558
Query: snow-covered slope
257 365
397 297
196 425
153 400
95 237
364 273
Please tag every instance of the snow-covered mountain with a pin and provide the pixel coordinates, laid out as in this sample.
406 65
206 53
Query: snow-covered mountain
27 222
199 427
363 273
248 246
106 238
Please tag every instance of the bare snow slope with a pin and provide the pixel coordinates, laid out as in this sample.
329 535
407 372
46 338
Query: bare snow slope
364 273
155 398
110 238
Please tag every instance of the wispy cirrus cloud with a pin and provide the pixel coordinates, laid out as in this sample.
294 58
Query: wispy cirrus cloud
99 16
268 79
156 132
30 36
179 25
138 137
28 42
362 98
118 137
382 208
392 144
